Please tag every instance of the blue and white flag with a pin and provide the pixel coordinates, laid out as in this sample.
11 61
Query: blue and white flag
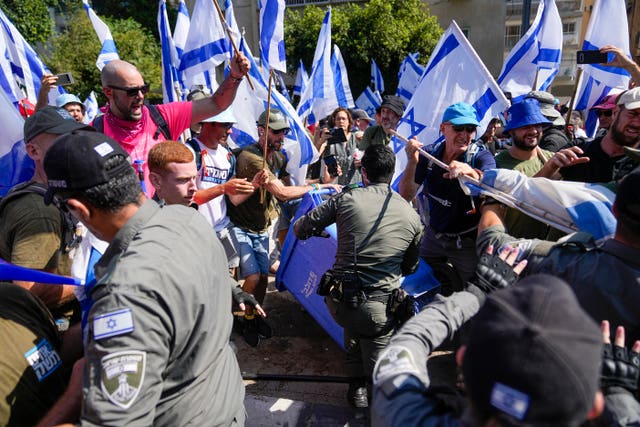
22 69
536 56
454 74
585 207
91 107
302 79
108 52
343 91
283 87
298 145
181 30
369 101
170 81
272 50
598 81
319 97
207 45
376 77
16 166
408 77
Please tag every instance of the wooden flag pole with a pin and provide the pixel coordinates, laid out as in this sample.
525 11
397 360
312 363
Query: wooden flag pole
266 134
228 30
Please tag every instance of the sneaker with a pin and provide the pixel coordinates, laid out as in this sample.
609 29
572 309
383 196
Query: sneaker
250 332
357 395
264 329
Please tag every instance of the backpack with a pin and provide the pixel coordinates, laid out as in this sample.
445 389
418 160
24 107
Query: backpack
163 126
475 147
195 147
70 239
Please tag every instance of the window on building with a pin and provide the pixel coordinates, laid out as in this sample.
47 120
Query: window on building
511 35
568 28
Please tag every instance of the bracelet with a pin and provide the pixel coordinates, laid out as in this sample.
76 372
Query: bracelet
235 79
314 187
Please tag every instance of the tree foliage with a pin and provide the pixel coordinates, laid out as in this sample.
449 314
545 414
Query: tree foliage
76 49
30 17
384 30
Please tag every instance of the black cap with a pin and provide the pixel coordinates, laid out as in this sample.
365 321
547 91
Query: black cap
533 355
53 120
76 161
394 103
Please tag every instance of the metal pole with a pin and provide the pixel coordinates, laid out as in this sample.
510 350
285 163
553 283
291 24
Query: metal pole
526 16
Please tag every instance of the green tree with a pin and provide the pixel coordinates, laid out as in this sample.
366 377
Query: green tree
30 17
384 30
77 48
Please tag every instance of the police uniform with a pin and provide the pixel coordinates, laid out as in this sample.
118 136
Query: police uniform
378 238
605 275
157 341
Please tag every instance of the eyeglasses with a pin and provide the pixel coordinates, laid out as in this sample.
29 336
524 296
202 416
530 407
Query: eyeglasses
132 91
605 113
467 128
279 131
227 126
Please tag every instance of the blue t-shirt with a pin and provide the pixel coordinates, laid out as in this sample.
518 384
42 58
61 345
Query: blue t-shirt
449 208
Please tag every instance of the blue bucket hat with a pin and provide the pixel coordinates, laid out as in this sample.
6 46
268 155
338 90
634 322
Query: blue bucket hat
525 113
460 113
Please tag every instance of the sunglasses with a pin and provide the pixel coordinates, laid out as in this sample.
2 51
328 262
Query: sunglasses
132 91
605 113
464 128
278 132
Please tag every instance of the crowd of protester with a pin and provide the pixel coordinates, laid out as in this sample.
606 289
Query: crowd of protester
146 339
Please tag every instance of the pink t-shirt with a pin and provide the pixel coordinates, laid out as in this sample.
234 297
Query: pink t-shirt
136 138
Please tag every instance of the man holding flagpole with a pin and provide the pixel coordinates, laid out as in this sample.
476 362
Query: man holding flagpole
450 235
138 127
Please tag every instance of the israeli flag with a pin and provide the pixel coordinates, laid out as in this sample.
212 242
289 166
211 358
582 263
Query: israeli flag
181 30
534 61
598 81
16 166
376 77
302 79
232 24
283 87
272 35
409 77
170 81
108 51
207 45
319 96
454 74
343 91
369 101
91 107
584 207
298 145
21 68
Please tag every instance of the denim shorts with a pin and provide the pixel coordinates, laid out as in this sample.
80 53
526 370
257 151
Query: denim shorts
253 249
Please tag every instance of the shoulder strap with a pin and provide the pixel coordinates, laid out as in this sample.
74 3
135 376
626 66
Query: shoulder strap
232 161
196 151
163 126
472 153
22 189
98 123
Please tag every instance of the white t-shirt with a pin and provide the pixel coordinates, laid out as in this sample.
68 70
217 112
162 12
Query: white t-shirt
215 170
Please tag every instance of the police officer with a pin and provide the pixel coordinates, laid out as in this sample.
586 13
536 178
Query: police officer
157 337
378 238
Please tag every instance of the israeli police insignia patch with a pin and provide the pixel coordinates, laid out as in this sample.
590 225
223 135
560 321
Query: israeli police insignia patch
122 374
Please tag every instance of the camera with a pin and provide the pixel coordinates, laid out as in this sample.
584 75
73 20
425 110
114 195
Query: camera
332 165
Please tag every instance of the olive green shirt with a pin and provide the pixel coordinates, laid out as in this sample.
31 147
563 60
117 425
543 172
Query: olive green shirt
374 135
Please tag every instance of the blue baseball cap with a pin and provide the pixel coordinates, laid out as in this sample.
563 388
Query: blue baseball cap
460 113
68 98
525 113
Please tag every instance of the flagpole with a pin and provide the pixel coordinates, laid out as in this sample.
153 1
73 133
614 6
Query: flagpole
505 198
573 97
266 125
233 43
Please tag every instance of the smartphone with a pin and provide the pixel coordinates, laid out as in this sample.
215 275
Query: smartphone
64 79
337 135
332 165
592 57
